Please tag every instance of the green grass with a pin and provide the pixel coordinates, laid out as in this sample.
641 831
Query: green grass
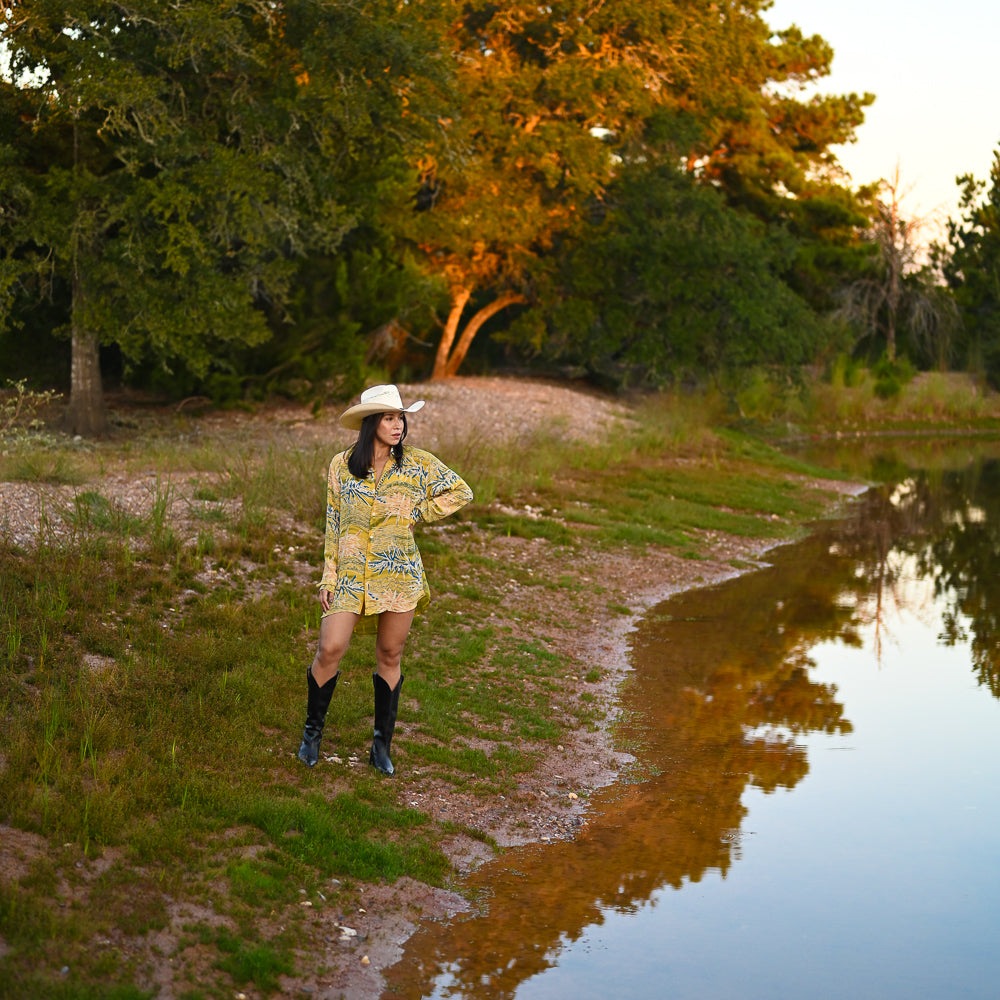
259 963
851 399
179 732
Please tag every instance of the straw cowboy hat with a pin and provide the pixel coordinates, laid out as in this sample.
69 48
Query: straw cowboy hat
376 399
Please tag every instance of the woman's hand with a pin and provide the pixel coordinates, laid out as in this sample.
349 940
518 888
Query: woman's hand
325 600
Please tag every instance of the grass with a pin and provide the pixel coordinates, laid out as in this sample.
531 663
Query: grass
151 682
852 401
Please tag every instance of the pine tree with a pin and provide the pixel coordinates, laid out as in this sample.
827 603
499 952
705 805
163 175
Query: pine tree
553 99
972 269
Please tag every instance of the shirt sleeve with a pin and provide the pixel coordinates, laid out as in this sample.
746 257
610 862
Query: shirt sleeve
446 492
329 579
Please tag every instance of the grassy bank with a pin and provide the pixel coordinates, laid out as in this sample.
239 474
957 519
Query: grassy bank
156 819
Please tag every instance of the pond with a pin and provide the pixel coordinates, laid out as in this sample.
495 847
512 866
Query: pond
815 805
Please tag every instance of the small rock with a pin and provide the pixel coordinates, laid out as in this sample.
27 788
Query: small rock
366 960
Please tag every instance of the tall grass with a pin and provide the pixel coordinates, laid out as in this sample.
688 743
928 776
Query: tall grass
856 398
502 468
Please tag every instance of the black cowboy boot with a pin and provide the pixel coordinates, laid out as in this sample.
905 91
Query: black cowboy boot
316 706
386 706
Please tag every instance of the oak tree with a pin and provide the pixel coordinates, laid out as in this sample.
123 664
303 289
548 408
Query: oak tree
671 283
167 165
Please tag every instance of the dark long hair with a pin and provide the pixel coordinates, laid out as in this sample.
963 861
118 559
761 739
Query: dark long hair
363 453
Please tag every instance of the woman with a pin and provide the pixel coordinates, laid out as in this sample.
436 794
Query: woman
373 579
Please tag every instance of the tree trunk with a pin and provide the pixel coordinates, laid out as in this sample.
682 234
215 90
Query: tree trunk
894 295
85 414
459 297
448 361
890 336
472 328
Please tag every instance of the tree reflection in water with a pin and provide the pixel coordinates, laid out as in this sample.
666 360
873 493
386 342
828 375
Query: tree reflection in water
947 523
719 700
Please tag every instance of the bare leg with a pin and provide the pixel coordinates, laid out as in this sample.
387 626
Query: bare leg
393 629
321 679
334 637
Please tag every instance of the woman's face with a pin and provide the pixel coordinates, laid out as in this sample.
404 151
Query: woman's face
389 429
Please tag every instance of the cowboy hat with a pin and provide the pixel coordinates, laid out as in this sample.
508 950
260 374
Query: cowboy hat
376 399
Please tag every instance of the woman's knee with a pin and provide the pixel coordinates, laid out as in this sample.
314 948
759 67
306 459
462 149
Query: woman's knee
331 647
389 653
331 652
335 633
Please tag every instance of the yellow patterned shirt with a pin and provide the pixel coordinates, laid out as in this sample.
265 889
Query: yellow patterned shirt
371 560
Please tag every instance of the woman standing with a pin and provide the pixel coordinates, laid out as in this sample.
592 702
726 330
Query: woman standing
373 578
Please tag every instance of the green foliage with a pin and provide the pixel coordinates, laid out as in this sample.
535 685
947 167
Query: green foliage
770 151
232 196
891 374
20 407
554 100
972 269
845 371
673 282
167 168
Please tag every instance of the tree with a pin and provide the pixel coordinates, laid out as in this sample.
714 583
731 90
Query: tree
972 269
170 164
672 282
553 99
770 150
900 294
520 157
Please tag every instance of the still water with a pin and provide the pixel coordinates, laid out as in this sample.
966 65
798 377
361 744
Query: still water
815 807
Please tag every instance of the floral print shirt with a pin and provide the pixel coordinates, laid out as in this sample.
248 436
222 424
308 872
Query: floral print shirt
371 562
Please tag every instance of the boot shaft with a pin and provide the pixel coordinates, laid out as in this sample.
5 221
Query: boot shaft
317 705
386 708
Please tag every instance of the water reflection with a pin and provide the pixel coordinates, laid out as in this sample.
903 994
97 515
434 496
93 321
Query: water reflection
949 522
722 702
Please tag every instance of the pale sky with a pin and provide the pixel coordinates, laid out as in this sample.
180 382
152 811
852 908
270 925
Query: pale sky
934 68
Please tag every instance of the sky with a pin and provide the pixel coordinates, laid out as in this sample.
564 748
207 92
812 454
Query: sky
934 69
